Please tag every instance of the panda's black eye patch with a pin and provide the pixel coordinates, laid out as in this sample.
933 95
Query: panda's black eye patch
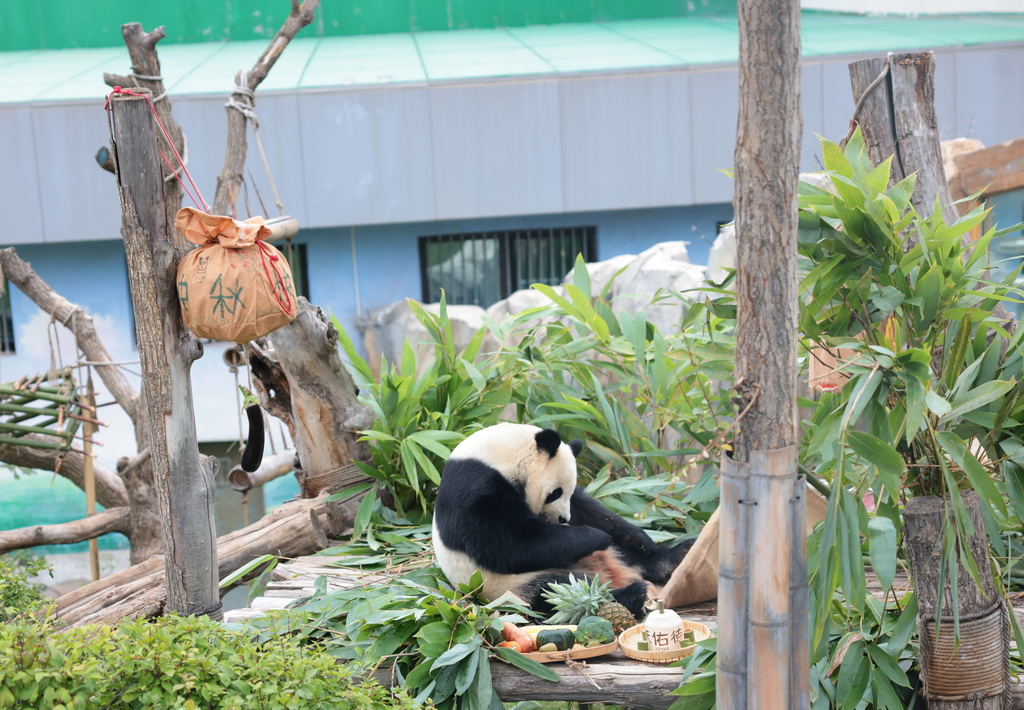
553 496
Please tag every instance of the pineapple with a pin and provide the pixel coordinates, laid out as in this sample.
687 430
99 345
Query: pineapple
578 598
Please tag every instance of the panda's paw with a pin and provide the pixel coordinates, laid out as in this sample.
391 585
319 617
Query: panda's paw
633 597
595 539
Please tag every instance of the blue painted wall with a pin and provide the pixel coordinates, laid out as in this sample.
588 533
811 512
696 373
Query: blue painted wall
387 256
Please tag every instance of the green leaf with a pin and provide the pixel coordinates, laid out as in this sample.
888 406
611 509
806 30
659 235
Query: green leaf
976 473
928 289
527 664
363 513
245 569
882 549
877 453
1013 474
937 405
885 663
863 391
455 654
885 694
979 397
905 626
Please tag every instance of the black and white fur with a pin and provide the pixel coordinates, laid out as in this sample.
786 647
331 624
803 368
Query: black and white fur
505 497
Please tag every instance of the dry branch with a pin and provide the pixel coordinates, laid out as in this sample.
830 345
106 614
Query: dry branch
111 520
242 102
272 467
77 320
110 490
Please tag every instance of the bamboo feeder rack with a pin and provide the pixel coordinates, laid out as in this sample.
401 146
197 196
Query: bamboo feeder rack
47 405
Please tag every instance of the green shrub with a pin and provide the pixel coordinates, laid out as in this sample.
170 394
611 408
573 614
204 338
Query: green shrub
17 594
173 662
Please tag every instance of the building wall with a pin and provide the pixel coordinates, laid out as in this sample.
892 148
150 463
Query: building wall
384 265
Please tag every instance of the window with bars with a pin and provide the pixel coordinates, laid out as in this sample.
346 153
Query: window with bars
481 268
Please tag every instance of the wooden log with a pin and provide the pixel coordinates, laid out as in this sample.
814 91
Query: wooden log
999 168
185 481
616 681
110 520
270 468
293 529
983 647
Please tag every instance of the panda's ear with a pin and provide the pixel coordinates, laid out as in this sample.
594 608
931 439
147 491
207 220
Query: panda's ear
548 440
577 446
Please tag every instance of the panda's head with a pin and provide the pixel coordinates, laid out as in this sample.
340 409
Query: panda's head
536 461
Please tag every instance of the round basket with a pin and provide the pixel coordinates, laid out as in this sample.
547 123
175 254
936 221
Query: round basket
629 639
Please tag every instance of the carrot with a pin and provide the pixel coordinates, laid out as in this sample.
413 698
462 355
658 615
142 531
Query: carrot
510 632
511 644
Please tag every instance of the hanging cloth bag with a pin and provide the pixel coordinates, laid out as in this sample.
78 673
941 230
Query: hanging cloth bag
234 287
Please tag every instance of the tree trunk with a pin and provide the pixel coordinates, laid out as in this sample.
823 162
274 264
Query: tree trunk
184 480
983 645
146 75
772 672
325 410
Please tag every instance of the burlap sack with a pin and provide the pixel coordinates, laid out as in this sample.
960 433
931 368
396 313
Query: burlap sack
234 287
696 578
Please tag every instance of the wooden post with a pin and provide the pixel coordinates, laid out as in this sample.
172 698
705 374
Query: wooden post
185 481
983 645
897 118
774 671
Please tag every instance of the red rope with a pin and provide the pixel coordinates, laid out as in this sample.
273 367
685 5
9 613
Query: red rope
200 202
264 253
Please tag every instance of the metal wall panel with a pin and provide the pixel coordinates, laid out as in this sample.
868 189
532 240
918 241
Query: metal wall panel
367 156
205 123
813 107
989 99
626 141
714 105
79 199
19 178
497 148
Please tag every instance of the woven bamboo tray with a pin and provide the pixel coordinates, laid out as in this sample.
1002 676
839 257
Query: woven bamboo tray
629 638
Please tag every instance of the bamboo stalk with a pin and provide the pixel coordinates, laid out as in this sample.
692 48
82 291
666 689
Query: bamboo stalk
731 691
90 489
799 598
772 477
22 398
6 407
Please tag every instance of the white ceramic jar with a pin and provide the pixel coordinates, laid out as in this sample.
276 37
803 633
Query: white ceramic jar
663 628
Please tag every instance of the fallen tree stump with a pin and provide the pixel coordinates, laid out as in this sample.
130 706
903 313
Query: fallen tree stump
296 528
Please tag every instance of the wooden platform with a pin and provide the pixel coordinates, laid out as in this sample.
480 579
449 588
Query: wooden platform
613 679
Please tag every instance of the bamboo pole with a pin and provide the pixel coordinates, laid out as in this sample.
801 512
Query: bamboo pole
90 487
733 583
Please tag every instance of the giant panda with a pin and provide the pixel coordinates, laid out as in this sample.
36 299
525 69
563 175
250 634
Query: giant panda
509 506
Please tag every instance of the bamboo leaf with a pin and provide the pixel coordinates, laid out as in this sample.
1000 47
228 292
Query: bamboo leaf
1013 474
888 666
905 626
882 549
245 569
456 653
979 397
885 694
363 513
937 404
527 664
862 393
976 473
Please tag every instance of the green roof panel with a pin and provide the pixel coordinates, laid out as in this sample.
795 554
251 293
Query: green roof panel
418 57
